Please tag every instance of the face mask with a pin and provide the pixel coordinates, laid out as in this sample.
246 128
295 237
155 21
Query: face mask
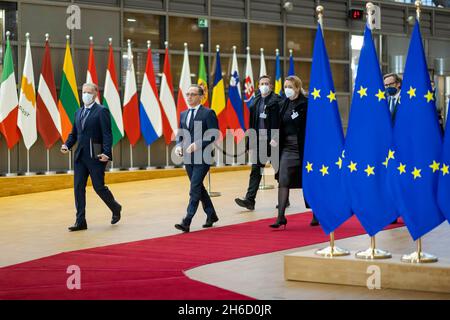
88 98
289 92
391 91
264 89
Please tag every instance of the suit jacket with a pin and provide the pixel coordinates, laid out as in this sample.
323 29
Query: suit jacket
272 111
185 136
96 135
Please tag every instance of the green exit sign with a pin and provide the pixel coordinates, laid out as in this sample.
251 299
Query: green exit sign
202 23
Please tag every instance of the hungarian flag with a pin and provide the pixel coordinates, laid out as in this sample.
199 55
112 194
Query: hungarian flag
169 114
249 89
91 76
218 101
68 97
48 119
26 119
185 83
150 108
202 78
111 98
131 104
8 100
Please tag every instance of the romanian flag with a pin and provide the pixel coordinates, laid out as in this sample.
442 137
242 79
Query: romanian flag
218 101
202 80
68 97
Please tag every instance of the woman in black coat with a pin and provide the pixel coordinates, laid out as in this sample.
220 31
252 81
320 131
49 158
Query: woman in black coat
292 139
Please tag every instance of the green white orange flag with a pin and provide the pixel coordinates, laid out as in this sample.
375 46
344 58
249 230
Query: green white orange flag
111 98
26 118
69 101
8 100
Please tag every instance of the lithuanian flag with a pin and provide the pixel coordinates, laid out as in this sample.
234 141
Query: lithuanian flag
68 97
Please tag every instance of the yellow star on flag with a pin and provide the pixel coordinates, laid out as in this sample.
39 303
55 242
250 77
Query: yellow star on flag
401 168
352 166
429 96
316 93
444 169
370 170
362 92
391 154
416 173
309 167
332 96
380 95
339 163
386 162
324 170
435 166
411 92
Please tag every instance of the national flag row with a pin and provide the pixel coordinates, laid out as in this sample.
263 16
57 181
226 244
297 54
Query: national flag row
383 168
152 115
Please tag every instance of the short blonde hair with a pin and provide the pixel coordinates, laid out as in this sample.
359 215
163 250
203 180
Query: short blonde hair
297 83
91 85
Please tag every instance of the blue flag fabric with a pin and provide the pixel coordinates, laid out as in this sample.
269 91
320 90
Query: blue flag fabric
291 71
369 137
444 175
417 144
323 187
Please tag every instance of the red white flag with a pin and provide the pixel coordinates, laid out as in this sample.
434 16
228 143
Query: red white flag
91 76
185 83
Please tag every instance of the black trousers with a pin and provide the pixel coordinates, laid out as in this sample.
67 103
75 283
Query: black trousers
84 167
197 192
255 180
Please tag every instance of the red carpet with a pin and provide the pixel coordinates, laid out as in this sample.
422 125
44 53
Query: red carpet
153 269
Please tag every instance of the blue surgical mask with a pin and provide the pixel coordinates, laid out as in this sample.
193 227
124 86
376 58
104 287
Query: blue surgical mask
264 89
391 91
88 98
289 92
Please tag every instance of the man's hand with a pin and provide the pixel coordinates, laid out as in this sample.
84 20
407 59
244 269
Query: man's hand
103 157
273 143
192 148
64 149
179 151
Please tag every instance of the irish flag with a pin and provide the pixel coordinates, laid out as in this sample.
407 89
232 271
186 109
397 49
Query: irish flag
131 104
8 100
68 97
48 119
111 98
91 76
26 119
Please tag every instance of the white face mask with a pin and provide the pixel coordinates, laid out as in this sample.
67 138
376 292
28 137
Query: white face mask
264 89
289 92
88 98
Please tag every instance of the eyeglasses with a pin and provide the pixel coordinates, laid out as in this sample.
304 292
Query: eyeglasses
192 94
390 84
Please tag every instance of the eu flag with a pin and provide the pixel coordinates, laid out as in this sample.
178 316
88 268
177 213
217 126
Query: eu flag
444 175
291 71
417 144
369 137
322 168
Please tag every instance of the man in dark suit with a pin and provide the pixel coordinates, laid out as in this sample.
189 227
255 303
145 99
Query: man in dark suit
198 130
92 132
264 118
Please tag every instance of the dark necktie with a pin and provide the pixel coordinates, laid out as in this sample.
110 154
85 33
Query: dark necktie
191 119
84 115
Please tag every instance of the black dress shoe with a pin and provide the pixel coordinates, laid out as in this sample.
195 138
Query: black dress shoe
245 203
209 222
280 222
288 204
182 227
116 216
78 227
314 222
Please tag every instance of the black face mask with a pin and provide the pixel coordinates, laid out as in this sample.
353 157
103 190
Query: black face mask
391 91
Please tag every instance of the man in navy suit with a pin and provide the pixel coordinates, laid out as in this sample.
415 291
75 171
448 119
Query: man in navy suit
92 132
198 130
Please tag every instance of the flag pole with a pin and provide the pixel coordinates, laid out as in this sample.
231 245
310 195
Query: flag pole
28 173
48 172
70 171
132 168
112 169
9 174
212 193
167 159
149 166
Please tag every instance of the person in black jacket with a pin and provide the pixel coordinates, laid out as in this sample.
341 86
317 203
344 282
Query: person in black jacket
292 139
264 113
